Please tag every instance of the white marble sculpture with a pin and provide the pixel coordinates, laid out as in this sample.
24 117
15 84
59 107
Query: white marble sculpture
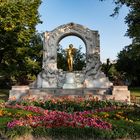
91 77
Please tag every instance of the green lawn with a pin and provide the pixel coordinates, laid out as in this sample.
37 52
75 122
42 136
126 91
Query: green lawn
135 91
4 93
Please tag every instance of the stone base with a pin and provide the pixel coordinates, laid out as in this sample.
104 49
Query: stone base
69 86
18 93
118 93
121 93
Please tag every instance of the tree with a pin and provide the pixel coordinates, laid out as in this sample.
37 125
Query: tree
106 67
79 60
31 60
61 59
18 20
129 63
115 76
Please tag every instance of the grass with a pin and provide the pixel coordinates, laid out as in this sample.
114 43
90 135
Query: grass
135 91
11 113
4 121
4 94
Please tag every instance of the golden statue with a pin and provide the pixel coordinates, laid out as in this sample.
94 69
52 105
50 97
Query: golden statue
70 53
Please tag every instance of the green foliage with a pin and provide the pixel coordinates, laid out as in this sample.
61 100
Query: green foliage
18 131
41 132
115 76
128 63
79 60
2 101
106 67
18 112
123 129
59 133
61 59
135 91
4 121
73 105
79 133
133 20
86 133
4 94
132 114
17 27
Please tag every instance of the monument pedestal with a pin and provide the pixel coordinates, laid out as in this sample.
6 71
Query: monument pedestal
69 81
118 93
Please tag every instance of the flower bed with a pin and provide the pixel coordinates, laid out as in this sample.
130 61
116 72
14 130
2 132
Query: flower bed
69 104
67 117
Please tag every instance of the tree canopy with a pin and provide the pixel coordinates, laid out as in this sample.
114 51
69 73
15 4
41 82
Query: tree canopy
129 63
18 20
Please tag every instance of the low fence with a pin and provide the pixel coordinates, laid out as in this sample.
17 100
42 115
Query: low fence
135 99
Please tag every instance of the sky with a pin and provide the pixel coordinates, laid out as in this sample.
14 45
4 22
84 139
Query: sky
92 14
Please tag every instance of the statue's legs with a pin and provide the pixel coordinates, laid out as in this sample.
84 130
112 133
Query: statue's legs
71 64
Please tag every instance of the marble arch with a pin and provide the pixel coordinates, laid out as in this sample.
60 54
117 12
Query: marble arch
51 40
72 34
89 77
